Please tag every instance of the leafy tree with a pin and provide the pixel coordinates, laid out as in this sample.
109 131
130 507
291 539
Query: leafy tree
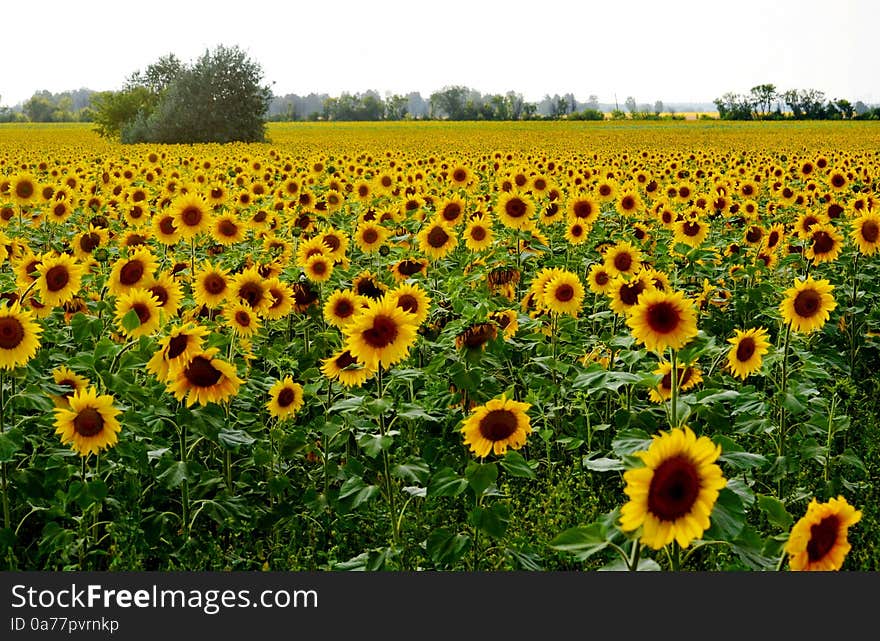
762 96
631 106
658 108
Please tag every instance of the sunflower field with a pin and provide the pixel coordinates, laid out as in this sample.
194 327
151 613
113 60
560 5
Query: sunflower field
442 346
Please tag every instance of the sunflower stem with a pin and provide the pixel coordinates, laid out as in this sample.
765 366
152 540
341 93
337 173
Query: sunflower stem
380 394
783 387
633 562
830 434
674 389
7 520
676 557
781 564
851 329
184 486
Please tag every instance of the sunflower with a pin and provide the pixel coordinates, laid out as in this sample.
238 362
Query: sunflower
436 240
369 237
806 221
606 190
335 241
19 336
837 180
58 212
460 176
24 188
282 299
241 318
412 299
818 541
342 306
59 280
85 243
623 258
346 368
564 294
145 307
746 351
628 203
825 243
381 334
691 231
672 496
227 230
774 237
689 376
176 349
211 285
89 423
285 398
250 287
476 336
866 232
204 379
807 305
599 279
71 381
165 229
516 211
624 293
318 268
507 320
497 425
450 211
663 319
192 215
132 272
582 209
478 234
167 291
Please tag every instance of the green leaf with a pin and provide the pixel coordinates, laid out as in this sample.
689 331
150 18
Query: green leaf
445 547
373 444
355 492
446 482
10 442
727 518
775 511
131 320
516 465
233 439
630 442
481 476
582 541
415 470
492 520
737 457
750 548
173 475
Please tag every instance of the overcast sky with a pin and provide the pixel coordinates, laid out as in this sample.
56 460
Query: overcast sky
671 50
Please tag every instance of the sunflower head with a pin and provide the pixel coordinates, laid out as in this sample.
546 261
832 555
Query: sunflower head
285 398
818 541
89 423
499 424
808 304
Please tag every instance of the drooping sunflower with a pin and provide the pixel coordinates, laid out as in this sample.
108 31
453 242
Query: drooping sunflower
436 240
285 398
497 425
381 334
241 318
866 232
144 305
70 381
346 368
515 210
60 278
564 294
689 376
671 498
19 336
211 285
204 379
176 349
808 304
818 541
476 336
192 215
478 234
746 352
89 423
663 319
825 243
411 298
132 272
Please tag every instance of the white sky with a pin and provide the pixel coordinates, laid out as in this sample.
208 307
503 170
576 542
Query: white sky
672 50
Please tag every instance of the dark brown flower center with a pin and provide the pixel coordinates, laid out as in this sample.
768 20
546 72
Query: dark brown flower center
623 261
159 293
132 272
382 333
459 175
252 293
674 489
870 231
214 284
691 228
57 278
142 311
602 278
823 242
177 346
88 422
370 236
582 209
663 317
191 216
227 228
451 211
773 239
332 242
564 293
24 189
286 397
515 208
745 349
754 234
498 425
408 303
344 360
628 203
437 237
838 180
630 292
201 373
11 332
478 233
823 536
807 303
166 226
242 318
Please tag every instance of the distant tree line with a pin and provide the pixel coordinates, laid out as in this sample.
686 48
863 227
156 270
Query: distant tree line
766 102
45 106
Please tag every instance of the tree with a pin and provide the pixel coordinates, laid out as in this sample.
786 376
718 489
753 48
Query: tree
658 108
630 103
762 96
845 108
219 98
395 107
